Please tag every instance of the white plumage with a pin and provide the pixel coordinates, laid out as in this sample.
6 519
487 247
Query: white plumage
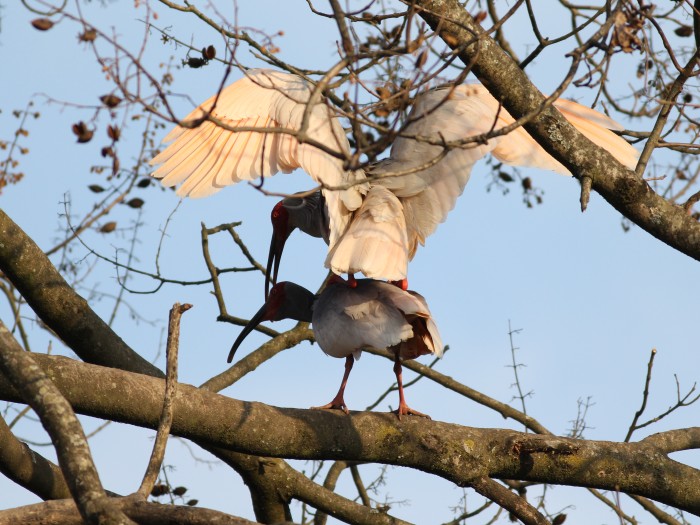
376 225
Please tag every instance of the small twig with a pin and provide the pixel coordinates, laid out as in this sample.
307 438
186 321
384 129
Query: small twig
613 506
244 249
586 185
166 416
645 397
515 367
361 490
339 17
681 401
213 271
508 500
459 520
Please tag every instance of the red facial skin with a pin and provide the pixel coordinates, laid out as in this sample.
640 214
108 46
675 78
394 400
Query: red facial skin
280 219
274 301
280 233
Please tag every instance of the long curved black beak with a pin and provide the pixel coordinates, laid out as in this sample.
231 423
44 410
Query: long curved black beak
255 321
273 260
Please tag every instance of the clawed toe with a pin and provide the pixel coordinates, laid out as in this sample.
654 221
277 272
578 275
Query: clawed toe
333 405
405 410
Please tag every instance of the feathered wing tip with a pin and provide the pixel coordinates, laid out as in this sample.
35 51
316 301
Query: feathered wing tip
375 242
208 157
518 148
432 329
426 337
596 127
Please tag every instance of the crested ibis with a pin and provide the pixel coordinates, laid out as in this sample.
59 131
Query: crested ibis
306 212
270 122
373 314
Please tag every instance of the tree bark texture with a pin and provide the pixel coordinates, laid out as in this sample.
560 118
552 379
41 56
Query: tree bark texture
72 319
64 512
459 454
67 435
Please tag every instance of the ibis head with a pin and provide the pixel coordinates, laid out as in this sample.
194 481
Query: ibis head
306 212
285 301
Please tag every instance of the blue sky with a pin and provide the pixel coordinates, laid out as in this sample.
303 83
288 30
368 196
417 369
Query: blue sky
591 300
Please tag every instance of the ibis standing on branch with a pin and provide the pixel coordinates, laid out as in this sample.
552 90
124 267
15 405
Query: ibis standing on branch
372 314
270 122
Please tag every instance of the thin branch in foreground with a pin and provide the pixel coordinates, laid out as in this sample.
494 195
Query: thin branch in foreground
508 500
66 433
166 417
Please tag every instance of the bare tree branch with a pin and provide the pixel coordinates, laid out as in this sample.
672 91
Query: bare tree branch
166 417
459 454
65 430
623 189
27 468
63 512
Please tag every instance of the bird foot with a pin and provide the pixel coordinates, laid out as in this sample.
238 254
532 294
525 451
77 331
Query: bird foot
405 410
403 284
352 282
336 404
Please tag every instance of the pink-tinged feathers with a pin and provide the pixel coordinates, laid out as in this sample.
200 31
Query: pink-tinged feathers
208 157
374 231
428 180
375 242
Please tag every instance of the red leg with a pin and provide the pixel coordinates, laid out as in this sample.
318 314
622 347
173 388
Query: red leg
338 402
403 409
352 282
403 284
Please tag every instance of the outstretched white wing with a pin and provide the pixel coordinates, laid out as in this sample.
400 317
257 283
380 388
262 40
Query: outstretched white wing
208 157
428 178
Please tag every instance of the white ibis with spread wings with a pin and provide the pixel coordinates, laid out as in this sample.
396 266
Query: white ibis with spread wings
372 221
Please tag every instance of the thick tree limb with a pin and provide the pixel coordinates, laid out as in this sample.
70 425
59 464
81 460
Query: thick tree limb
459 454
64 512
66 432
622 188
57 304
28 469
69 316
271 489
